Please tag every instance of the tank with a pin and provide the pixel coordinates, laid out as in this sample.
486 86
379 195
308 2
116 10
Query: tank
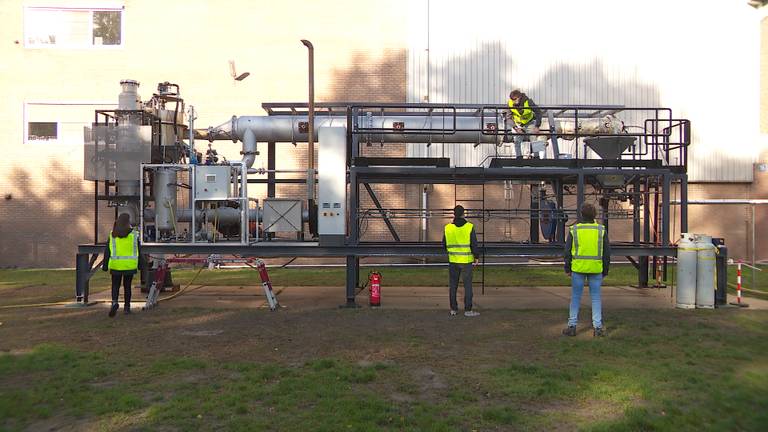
687 256
705 272
164 188
127 141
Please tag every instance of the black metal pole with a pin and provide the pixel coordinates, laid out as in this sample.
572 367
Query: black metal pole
271 169
353 274
82 271
643 272
558 185
534 217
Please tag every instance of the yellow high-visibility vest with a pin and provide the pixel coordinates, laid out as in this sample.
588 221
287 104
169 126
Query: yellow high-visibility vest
124 252
524 117
457 241
587 248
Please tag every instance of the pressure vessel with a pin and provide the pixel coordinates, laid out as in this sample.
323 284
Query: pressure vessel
687 256
705 272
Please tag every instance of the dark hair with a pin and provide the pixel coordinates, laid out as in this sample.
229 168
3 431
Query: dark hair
122 226
458 211
515 94
588 212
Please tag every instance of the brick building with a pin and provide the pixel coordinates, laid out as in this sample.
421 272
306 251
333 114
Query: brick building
63 59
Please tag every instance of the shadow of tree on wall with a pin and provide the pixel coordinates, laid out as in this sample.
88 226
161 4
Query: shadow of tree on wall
486 75
45 215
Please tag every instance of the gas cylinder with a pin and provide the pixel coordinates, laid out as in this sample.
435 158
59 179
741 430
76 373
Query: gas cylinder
374 282
705 272
687 255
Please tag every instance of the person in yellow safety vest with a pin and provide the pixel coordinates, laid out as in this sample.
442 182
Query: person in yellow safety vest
460 241
121 258
526 118
587 258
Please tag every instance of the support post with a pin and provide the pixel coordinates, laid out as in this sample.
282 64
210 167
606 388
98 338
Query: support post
558 185
82 273
643 272
353 274
666 181
636 199
579 195
354 207
553 138
683 203
721 264
534 217
271 169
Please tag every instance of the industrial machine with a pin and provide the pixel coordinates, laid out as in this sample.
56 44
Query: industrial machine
145 160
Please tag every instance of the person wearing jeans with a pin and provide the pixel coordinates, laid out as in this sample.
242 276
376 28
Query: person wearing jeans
587 259
460 242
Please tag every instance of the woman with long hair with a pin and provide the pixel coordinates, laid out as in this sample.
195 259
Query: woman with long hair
121 258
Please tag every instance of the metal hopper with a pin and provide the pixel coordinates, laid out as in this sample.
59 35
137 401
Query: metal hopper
609 147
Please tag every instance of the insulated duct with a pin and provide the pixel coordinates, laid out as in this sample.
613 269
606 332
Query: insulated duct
287 128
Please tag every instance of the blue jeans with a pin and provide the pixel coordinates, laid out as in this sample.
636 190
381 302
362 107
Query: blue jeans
577 287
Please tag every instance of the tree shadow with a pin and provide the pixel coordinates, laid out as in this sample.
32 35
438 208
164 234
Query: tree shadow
44 216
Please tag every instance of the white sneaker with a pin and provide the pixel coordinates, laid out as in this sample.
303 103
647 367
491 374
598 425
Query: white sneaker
454 313
471 313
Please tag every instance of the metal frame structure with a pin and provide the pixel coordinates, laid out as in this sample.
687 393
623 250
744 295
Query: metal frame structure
645 169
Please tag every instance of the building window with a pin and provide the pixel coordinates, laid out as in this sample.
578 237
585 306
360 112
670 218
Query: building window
59 123
51 27
42 131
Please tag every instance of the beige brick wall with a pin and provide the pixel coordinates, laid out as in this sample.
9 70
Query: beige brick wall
358 56
47 209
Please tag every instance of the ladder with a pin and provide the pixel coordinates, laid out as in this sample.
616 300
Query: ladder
467 195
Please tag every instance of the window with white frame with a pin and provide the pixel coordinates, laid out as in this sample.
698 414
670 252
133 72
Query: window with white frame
50 27
59 123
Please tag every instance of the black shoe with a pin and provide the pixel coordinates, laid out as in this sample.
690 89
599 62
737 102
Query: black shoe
127 310
113 310
570 331
599 332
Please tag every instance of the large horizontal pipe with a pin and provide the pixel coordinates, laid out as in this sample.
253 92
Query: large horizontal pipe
224 215
435 128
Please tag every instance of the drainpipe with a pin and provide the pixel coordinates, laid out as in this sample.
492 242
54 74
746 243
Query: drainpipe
311 134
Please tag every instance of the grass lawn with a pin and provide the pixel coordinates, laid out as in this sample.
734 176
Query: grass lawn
388 370
42 285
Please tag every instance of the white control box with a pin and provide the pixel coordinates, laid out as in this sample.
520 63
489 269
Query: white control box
332 184
212 182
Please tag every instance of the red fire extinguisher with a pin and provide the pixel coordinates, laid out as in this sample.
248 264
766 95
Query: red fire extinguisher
374 282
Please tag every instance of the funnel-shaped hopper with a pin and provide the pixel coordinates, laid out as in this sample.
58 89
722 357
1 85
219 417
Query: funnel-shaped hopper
610 147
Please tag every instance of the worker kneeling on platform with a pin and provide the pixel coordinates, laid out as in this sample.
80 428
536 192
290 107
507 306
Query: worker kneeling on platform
460 242
587 258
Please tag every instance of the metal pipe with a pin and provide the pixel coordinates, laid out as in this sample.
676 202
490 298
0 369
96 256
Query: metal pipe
265 171
424 213
311 138
434 128
724 201
249 148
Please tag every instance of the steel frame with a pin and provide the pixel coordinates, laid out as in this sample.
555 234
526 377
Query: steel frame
648 172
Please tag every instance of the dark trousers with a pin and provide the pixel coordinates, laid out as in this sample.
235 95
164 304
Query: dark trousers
126 279
463 271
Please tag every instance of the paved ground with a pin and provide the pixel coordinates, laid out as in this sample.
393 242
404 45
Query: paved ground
313 298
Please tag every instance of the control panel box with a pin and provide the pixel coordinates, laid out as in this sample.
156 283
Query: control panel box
332 185
213 182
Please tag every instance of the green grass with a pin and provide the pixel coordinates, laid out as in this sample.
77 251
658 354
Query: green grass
21 286
657 370
42 285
